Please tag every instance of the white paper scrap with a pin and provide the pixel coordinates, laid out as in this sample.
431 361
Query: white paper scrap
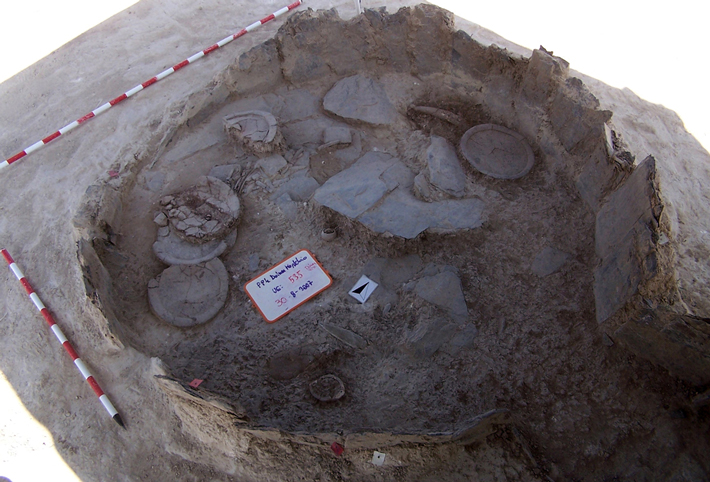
363 289
378 458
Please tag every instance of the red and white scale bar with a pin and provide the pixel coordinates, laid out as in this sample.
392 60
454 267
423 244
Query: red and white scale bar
63 339
145 84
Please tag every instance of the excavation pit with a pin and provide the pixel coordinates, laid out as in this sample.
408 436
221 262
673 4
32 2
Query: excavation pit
483 275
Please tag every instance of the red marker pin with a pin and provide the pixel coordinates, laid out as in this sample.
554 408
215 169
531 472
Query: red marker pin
63 339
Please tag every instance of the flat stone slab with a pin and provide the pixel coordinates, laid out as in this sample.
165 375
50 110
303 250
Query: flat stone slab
172 249
377 191
444 290
361 99
445 171
402 214
497 152
203 212
189 295
355 190
255 131
272 165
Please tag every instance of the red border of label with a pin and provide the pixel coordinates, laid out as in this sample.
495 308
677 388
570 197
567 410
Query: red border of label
307 299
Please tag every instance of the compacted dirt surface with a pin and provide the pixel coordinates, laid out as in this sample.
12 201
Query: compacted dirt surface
580 407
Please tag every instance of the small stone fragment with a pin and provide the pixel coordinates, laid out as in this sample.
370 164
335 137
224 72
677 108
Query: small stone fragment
225 173
253 262
337 135
160 219
445 171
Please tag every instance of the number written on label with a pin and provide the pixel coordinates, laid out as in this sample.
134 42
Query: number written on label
281 301
295 276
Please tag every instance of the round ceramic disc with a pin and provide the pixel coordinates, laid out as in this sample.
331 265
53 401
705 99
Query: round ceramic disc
497 151
189 294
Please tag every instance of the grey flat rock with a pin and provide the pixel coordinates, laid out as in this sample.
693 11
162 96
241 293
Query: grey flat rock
272 165
497 151
203 212
188 295
402 214
445 171
444 290
300 189
225 173
337 135
377 191
355 190
172 249
361 99
548 261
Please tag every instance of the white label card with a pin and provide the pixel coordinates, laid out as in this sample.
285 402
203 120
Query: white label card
287 285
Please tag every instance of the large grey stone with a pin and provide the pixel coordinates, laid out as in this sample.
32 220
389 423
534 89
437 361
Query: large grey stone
628 210
624 240
361 99
353 191
188 295
300 189
444 290
272 165
377 191
575 116
445 171
402 214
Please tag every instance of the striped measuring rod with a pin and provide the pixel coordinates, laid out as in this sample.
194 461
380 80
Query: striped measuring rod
63 339
146 84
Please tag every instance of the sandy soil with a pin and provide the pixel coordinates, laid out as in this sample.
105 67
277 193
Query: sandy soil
586 410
